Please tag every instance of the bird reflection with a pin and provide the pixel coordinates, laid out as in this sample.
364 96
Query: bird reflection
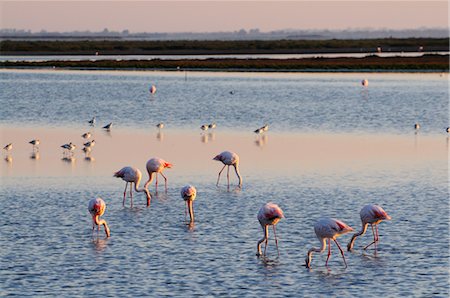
89 158
69 159
35 155
212 136
261 140
204 138
100 243
160 136
8 159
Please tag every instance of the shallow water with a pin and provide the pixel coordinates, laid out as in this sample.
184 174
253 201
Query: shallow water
330 169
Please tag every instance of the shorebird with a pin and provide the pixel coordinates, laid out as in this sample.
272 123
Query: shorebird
229 159
8 147
155 166
258 131
448 130
204 127
417 126
89 144
35 143
108 126
265 127
97 208
370 215
92 121
86 135
160 125
269 215
189 193
328 228
132 175
212 125
70 147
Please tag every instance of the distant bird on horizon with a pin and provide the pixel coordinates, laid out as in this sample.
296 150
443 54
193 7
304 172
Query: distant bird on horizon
212 125
265 127
417 126
89 144
229 159
160 125
97 208
153 89
373 215
204 127
328 228
132 175
108 126
86 135
365 82
269 215
189 193
35 144
70 147
155 166
258 131
8 147
92 121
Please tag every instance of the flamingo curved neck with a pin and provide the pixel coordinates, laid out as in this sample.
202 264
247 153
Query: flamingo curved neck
266 236
150 179
236 169
99 222
362 232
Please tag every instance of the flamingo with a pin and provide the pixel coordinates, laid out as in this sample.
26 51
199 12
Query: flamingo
152 89
189 193
108 126
92 121
229 159
8 147
365 82
373 215
35 143
156 165
328 228
86 135
269 215
131 175
96 208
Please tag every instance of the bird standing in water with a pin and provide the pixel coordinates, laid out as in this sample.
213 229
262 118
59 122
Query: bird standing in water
155 166
328 228
373 215
269 215
132 175
229 159
97 208
189 193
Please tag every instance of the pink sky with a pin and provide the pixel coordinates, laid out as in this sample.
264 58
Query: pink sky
209 16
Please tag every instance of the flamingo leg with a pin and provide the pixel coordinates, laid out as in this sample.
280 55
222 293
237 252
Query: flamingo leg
374 238
228 176
165 181
377 238
276 240
218 177
156 181
124 194
131 194
342 252
185 211
266 237
329 252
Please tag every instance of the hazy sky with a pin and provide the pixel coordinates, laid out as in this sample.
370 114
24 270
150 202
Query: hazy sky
208 16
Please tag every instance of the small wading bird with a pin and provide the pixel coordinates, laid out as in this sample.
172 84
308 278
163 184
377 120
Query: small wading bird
365 82
189 193
92 121
89 144
229 159
258 131
269 215
35 144
448 130
96 208
108 126
417 126
8 147
131 175
204 127
155 166
328 228
86 135
212 125
373 215
68 149
160 125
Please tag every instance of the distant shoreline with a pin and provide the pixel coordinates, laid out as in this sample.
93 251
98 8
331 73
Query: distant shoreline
426 63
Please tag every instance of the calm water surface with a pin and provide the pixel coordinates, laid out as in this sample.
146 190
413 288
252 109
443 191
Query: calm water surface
332 148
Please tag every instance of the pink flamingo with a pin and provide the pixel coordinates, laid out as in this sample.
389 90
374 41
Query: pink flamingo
269 215
328 228
156 165
96 208
373 215
229 159
189 193
132 175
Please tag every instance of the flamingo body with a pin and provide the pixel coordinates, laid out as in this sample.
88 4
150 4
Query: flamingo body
229 159
156 165
365 82
370 215
152 89
189 193
97 208
269 215
328 229
131 175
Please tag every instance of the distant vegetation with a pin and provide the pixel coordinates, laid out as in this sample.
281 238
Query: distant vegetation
197 47
371 63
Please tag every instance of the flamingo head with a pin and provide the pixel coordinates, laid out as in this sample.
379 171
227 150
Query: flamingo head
218 157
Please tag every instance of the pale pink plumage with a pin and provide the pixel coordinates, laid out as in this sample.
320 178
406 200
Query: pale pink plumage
373 215
132 175
328 228
97 208
269 215
156 165
229 159
189 193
